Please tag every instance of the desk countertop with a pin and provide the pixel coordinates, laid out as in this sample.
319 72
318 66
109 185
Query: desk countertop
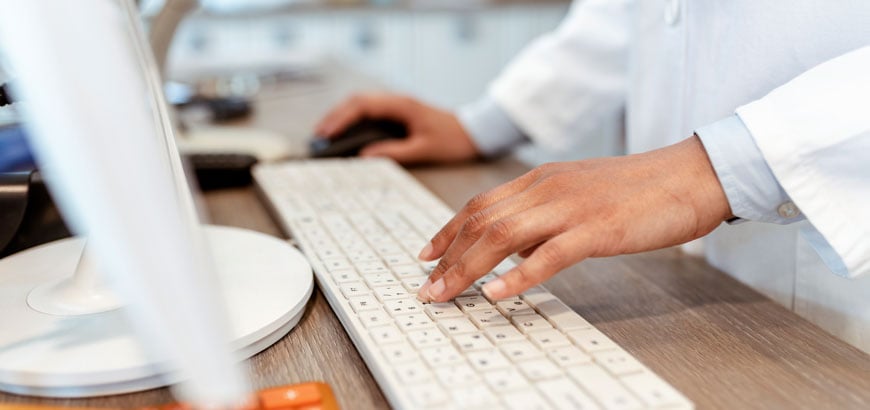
719 342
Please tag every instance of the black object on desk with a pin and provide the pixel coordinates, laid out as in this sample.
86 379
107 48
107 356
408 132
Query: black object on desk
28 216
351 141
217 171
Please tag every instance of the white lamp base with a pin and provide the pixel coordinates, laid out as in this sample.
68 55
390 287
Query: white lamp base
264 281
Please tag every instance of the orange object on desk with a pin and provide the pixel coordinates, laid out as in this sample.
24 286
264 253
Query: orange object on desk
303 396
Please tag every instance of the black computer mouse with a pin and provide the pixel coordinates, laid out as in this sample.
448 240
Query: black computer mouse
351 141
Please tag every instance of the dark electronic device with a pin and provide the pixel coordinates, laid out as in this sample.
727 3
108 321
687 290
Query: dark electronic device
28 216
217 171
351 141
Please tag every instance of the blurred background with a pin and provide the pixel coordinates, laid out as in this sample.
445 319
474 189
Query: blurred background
311 54
443 51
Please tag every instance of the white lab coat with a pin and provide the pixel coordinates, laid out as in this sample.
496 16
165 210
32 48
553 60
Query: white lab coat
672 66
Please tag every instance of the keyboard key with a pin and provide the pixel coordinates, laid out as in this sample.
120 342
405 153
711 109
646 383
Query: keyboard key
505 380
521 350
514 307
472 341
387 334
603 387
345 275
561 316
527 400
472 397
427 337
470 303
546 339
530 323
568 356
413 321
484 361
371 267
442 310
489 317
566 395
329 252
426 395
385 293
540 369
407 271
352 289
457 325
413 285
375 317
398 259
471 291
591 340
617 362
413 372
501 334
483 280
363 303
333 265
399 353
457 375
380 279
438 356
363 256
537 296
654 391
402 306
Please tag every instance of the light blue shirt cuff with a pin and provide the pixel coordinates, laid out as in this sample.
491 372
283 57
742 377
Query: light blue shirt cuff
753 192
490 128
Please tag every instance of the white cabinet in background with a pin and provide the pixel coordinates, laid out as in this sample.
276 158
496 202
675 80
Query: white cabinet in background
444 57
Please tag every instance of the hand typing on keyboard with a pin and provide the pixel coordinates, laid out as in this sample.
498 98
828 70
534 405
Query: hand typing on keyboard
360 222
560 214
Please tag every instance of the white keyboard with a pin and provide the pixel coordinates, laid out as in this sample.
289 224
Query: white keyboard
361 224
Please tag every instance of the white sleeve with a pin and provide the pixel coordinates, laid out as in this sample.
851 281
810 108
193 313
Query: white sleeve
814 133
562 86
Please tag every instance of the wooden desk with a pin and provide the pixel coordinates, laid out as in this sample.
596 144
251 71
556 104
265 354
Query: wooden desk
722 344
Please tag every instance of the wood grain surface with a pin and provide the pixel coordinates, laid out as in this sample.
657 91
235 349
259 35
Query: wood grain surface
722 344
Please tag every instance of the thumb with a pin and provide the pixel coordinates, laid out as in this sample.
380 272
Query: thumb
404 151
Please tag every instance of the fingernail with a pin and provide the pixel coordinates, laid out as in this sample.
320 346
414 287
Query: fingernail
495 289
423 292
437 289
426 253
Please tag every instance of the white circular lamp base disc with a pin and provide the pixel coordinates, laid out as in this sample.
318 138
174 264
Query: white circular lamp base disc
264 281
